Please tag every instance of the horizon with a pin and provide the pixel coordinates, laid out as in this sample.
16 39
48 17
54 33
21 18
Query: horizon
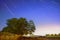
44 13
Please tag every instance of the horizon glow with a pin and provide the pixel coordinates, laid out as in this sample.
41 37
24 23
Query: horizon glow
47 29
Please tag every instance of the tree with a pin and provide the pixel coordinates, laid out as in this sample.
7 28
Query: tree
52 35
55 34
19 26
47 34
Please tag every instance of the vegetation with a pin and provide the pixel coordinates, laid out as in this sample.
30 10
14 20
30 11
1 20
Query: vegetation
53 35
16 28
19 26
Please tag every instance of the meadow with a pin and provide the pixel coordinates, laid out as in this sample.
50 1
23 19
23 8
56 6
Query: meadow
17 37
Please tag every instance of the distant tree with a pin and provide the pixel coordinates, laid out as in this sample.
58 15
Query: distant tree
19 26
47 34
52 34
55 34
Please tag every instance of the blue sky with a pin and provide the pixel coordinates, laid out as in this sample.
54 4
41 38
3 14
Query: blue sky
42 12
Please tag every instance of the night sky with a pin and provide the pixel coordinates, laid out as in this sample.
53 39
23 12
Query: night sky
44 13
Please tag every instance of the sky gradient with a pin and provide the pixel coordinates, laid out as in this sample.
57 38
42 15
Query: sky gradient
44 13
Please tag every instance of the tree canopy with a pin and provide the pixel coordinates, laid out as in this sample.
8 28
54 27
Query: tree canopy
19 26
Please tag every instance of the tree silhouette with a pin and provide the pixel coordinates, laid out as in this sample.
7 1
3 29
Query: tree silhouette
19 26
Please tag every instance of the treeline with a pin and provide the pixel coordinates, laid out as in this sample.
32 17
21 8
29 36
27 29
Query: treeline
53 35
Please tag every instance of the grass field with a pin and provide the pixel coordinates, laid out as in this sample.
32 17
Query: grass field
16 37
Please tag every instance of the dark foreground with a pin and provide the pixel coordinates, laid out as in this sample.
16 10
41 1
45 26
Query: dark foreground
39 38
